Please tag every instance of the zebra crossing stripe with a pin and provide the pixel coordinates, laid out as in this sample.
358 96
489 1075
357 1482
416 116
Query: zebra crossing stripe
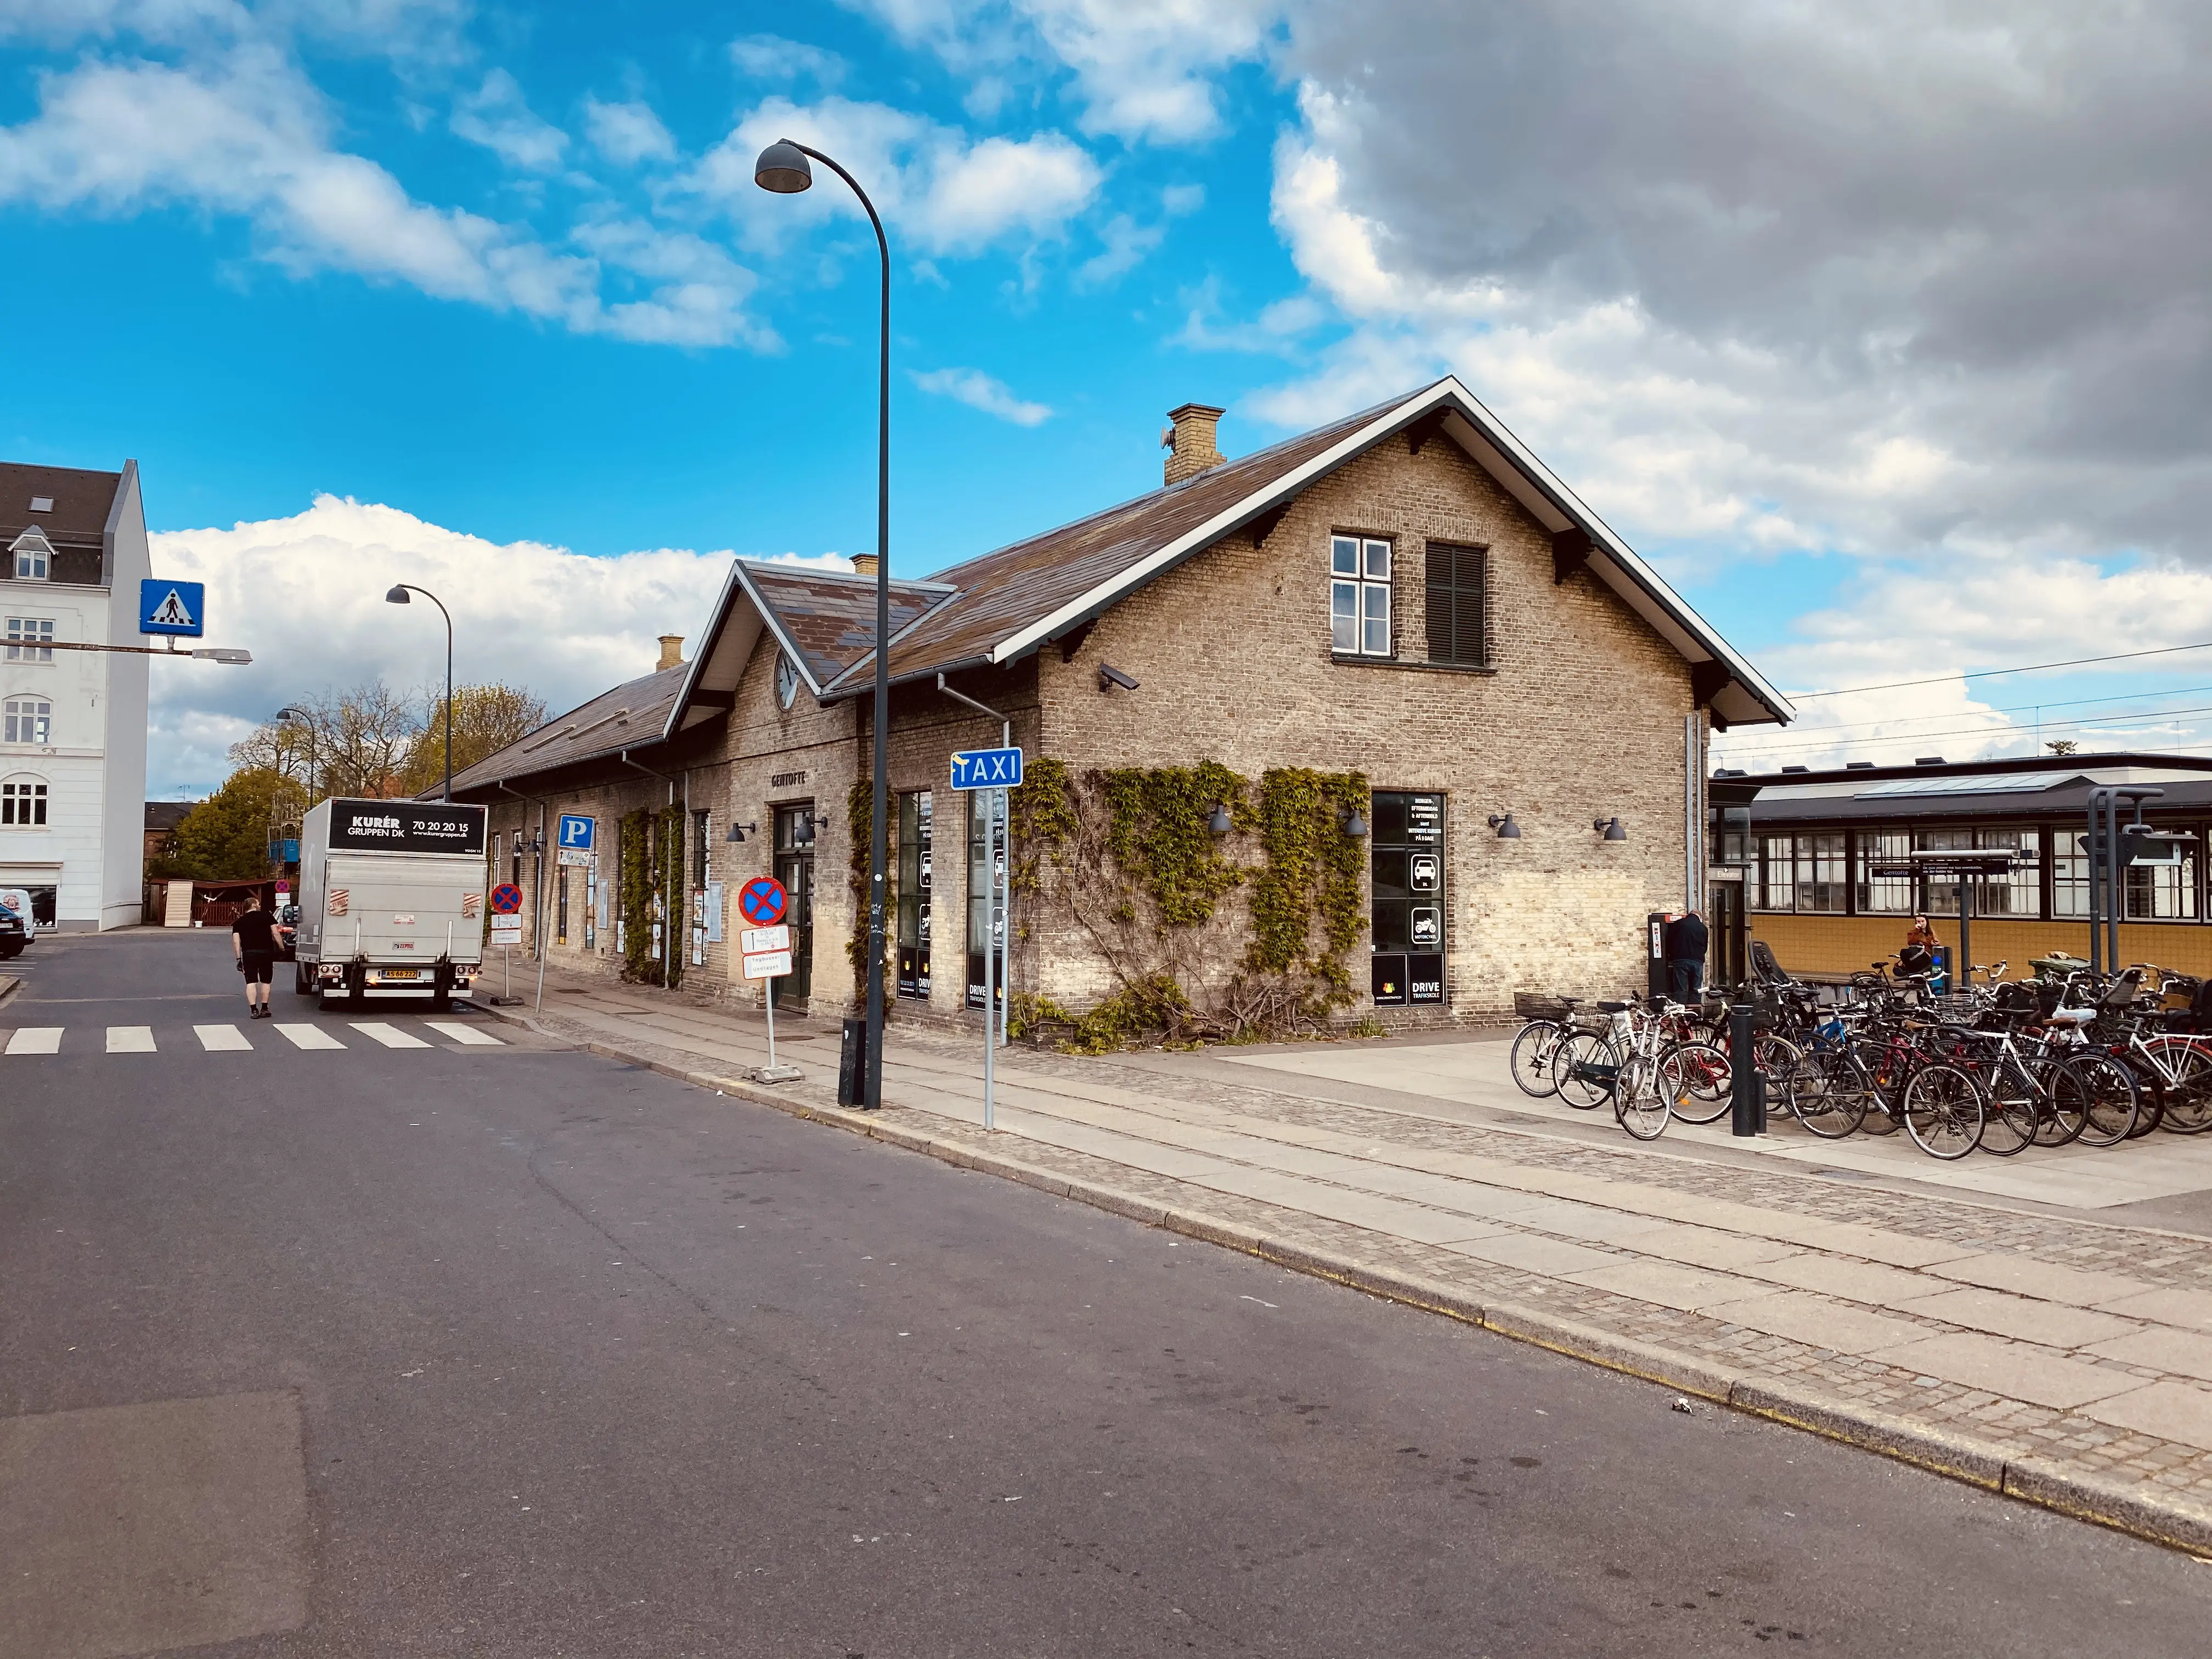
390 1036
130 1040
36 1039
309 1036
468 1035
223 1038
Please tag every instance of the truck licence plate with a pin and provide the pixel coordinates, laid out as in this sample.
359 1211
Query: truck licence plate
400 973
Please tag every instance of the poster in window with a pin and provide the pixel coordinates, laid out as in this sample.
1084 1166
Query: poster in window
1428 926
1426 873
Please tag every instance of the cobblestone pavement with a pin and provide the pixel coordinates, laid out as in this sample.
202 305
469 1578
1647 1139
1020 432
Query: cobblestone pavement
2067 1360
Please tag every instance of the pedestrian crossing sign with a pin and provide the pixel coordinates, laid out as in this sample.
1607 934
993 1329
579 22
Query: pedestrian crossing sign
166 607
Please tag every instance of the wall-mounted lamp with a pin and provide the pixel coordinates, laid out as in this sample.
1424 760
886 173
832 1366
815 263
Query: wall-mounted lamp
802 832
1109 677
739 831
1216 820
1609 828
1507 829
1354 825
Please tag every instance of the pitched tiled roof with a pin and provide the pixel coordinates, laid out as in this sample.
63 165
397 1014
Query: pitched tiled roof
829 617
81 502
631 716
1019 585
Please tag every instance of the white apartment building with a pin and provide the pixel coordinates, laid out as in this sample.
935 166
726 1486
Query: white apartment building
72 723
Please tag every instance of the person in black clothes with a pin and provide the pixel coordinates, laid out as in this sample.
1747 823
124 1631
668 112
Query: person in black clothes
1685 957
253 942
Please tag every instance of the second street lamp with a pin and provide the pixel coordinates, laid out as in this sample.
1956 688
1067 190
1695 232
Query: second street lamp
289 712
398 596
783 170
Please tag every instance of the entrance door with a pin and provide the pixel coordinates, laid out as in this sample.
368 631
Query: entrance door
794 868
1728 946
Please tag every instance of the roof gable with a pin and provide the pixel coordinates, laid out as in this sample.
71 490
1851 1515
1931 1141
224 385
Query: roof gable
1010 602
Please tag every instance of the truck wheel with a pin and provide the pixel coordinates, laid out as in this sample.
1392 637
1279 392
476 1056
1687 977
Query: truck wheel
301 985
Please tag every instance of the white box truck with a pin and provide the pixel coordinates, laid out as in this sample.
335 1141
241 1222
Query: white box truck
391 900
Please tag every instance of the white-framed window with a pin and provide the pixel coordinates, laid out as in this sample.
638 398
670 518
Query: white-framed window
26 720
24 634
22 804
1359 596
34 556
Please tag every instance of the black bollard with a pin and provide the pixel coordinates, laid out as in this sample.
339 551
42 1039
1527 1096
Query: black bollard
1743 1077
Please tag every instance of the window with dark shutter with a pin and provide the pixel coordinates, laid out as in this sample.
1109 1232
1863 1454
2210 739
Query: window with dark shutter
1457 605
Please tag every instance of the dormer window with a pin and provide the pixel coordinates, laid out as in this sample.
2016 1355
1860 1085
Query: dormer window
34 556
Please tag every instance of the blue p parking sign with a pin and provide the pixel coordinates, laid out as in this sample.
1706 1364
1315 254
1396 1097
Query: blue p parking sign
576 833
172 608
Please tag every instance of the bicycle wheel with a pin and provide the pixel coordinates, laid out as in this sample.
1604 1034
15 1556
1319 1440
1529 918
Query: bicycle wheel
2064 1109
2188 1089
1829 1094
2150 1093
1584 1070
1701 1091
1640 1099
2013 1108
1943 1112
1533 1047
2113 1100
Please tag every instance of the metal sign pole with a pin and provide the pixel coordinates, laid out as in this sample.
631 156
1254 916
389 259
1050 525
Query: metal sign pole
990 966
767 996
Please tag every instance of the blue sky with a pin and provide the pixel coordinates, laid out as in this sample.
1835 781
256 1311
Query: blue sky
403 288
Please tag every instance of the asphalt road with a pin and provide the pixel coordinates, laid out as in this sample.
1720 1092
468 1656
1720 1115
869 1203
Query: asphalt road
591 1363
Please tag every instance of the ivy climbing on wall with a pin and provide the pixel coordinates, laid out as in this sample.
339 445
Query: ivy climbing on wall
1129 858
652 868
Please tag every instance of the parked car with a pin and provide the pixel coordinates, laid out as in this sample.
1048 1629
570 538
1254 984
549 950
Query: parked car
15 934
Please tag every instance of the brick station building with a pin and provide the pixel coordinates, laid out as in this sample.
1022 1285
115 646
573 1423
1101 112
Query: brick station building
1407 595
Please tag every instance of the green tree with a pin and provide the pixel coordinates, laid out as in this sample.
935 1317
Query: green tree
226 838
486 719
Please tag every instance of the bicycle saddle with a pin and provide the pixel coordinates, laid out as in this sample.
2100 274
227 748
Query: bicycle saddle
1614 1008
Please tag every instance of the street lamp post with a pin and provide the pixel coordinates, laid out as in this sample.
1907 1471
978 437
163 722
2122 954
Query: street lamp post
398 596
782 169
290 712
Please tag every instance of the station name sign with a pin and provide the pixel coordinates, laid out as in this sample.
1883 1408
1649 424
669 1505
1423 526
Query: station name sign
406 826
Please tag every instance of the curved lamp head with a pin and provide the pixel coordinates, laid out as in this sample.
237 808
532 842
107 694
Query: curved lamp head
1609 828
397 595
1218 822
288 713
782 168
1507 829
1354 824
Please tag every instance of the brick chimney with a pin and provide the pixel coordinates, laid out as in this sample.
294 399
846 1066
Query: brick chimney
1190 442
863 564
672 652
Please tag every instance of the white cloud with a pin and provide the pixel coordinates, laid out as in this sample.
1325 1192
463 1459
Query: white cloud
628 133
248 136
1912 622
977 390
1127 243
772 57
498 117
946 195
1143 69
1913 279
305 595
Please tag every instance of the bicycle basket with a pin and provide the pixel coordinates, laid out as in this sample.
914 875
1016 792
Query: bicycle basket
1537 1005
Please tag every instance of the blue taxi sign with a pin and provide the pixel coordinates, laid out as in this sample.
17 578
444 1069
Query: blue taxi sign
987 768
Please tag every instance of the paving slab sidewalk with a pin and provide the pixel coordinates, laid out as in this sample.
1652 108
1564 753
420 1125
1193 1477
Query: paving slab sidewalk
2065 1361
